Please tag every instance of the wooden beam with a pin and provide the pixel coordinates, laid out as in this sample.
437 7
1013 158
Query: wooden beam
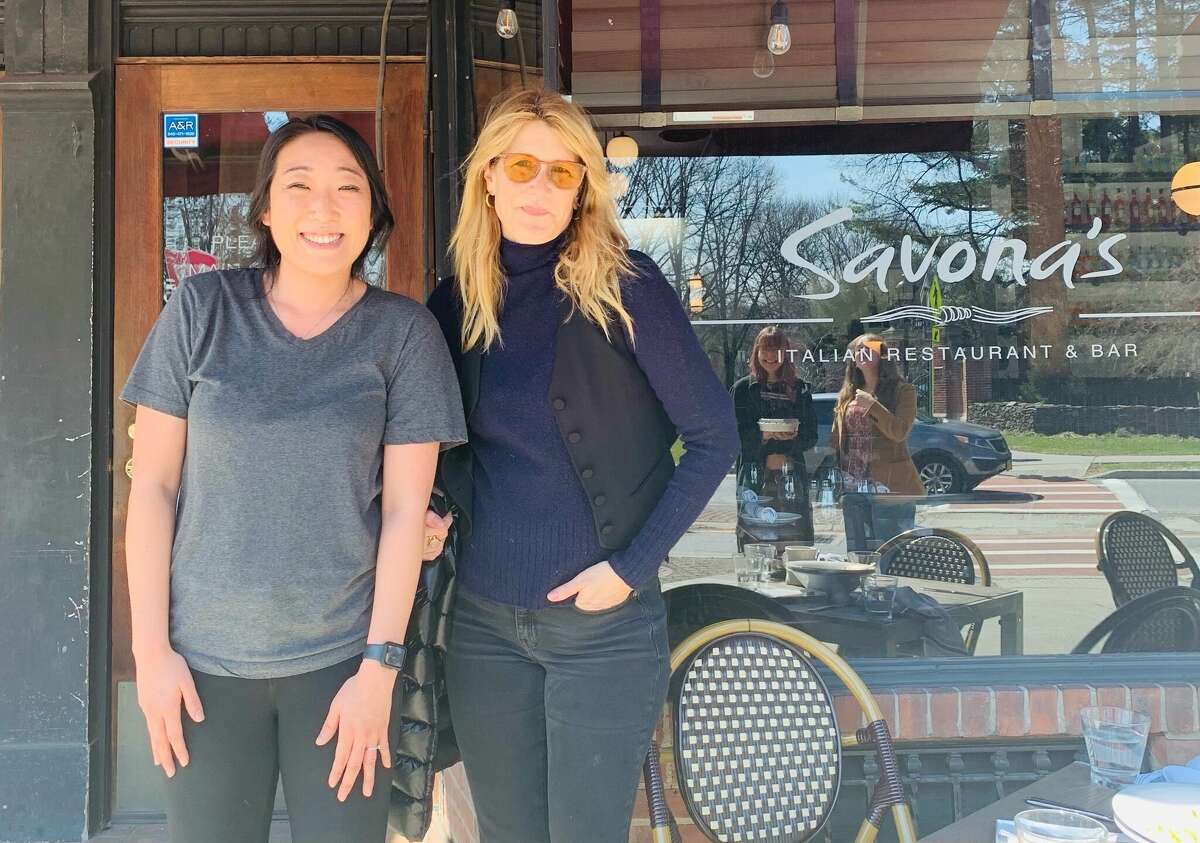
650 13
845 37
1041 59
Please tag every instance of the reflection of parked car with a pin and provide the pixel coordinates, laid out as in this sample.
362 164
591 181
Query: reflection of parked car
951 456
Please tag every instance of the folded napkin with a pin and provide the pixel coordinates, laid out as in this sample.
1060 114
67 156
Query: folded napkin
938 629
1177 773
761 513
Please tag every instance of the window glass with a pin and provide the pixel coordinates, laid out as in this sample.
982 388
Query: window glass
1029 288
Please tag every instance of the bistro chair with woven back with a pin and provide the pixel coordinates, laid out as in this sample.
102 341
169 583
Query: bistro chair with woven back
1167 620
1138 555
757 746
933 553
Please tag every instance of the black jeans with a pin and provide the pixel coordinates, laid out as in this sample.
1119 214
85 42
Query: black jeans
253 730
554 710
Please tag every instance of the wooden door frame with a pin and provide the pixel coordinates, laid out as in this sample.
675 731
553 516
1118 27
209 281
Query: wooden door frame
145 89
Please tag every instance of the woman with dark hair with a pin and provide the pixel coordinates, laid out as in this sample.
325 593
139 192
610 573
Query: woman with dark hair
773 461
579 369
772 390
872 417
289 418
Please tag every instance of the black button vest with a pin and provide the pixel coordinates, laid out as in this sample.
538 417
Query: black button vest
615 429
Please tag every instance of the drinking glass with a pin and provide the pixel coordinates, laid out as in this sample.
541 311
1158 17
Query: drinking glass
745 567
1052 826
764 556
1116 741
879 592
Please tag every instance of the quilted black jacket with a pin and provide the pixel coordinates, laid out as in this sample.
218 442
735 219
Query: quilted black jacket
426 743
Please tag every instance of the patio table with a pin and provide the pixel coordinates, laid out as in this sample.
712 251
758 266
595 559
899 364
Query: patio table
1069 786
861 634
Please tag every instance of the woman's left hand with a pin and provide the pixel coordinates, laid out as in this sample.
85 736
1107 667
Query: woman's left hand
595 589
359 716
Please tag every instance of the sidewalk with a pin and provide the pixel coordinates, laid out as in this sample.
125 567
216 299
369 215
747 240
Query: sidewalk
1028 464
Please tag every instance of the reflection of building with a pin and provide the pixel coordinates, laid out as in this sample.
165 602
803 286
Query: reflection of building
1018 107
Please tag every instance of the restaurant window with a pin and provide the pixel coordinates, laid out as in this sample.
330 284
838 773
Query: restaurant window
1034 283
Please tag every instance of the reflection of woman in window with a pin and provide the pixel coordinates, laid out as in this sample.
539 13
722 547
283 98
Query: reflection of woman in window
773 391
288 424
579 367
874 413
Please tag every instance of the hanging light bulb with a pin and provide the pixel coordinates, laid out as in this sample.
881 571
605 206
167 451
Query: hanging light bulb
622 151
506 21
764 64
696 293
779 39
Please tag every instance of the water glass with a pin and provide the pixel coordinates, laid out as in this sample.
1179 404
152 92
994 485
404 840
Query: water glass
745 567
879 592
769 569
1116 742
1053 826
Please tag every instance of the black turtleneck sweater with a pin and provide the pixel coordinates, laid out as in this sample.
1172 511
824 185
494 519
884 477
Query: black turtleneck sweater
533 528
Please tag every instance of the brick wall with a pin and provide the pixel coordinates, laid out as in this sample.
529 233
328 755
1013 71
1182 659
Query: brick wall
957 384
1000 713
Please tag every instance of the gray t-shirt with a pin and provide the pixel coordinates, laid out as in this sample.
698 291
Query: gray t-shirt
278 519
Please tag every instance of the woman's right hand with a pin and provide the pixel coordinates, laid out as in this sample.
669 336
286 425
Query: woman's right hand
164 686
436 530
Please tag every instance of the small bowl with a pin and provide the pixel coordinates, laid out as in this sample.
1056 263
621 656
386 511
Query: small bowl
779 425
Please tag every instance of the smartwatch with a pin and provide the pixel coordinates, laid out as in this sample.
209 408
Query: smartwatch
389 655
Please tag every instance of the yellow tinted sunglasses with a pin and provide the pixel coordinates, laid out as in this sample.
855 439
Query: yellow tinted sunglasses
521 168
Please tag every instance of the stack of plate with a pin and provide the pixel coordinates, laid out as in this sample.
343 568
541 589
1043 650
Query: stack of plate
1163 812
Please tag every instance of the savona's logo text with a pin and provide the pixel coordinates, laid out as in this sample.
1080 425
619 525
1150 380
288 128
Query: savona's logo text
957 262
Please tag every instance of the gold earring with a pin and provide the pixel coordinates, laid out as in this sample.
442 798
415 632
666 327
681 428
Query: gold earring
490 201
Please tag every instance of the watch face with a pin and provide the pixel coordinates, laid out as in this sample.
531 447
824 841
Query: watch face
393 656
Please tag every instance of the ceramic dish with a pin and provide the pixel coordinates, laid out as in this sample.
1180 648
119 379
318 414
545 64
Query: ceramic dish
824 566
1164 812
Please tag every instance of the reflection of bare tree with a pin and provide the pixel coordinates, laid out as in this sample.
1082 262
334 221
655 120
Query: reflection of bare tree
733 221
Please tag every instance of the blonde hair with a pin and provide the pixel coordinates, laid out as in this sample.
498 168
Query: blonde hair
593 259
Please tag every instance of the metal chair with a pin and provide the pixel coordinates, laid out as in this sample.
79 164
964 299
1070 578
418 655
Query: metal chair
1134 553
1163 621
758 751
931 553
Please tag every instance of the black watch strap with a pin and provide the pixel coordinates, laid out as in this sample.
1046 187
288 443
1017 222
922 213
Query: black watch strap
389 655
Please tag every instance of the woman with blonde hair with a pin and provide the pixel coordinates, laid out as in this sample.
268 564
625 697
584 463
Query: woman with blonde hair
872 417
579 369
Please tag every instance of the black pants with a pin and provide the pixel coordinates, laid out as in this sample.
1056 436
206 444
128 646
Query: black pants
254 730
554 709
871 520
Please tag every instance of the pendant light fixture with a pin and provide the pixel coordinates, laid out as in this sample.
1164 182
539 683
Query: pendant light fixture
764 63
506 20
621 151
779 38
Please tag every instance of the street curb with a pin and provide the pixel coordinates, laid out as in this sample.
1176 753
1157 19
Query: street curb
1149 474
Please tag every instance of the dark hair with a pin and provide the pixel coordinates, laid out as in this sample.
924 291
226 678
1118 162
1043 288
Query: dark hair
773 339
266 253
